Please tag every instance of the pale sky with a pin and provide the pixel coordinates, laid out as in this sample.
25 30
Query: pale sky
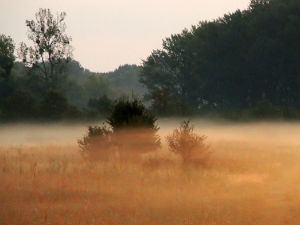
109 33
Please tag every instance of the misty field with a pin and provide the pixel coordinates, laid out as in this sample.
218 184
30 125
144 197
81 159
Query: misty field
251 177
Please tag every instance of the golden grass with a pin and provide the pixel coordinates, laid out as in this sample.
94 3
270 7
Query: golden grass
252 178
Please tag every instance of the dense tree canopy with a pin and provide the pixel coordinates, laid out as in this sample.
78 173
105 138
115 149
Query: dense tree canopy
125 80
233 62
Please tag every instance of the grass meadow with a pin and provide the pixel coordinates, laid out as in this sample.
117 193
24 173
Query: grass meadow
251 178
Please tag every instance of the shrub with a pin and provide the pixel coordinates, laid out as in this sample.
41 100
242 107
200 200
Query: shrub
134 127
97 144
188 144
132 132
131 114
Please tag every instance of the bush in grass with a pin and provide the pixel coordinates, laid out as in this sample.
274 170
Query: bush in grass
132 132
131 114
135 131
190 146
97 144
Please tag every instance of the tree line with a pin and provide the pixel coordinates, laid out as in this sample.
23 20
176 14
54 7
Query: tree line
244 64
43 81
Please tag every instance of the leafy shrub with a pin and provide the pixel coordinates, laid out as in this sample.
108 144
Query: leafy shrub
134 127
188 144
96 145
132 131
131 114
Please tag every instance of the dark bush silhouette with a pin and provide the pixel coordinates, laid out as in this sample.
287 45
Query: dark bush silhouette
134 127
188 144
97 144
131 114
132 132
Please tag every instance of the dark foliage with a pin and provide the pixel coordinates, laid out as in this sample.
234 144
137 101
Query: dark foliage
20 105
102 105
132 132
244 64
232 63
7 57
131 114
134 127
54 106
6 63
124 80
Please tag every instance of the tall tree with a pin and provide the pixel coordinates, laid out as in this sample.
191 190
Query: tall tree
50 49
7 59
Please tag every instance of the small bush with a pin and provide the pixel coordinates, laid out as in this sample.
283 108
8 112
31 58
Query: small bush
188 144
97 144
131 114
132 132
134 127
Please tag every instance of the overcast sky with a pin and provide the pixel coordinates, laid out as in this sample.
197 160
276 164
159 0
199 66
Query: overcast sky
108 33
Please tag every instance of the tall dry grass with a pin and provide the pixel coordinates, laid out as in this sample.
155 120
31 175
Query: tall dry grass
252 178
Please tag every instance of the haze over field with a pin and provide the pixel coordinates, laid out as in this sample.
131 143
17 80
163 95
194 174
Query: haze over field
252 175
67 133
118 148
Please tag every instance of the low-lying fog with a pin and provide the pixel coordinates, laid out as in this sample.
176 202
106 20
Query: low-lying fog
251 175
278 133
